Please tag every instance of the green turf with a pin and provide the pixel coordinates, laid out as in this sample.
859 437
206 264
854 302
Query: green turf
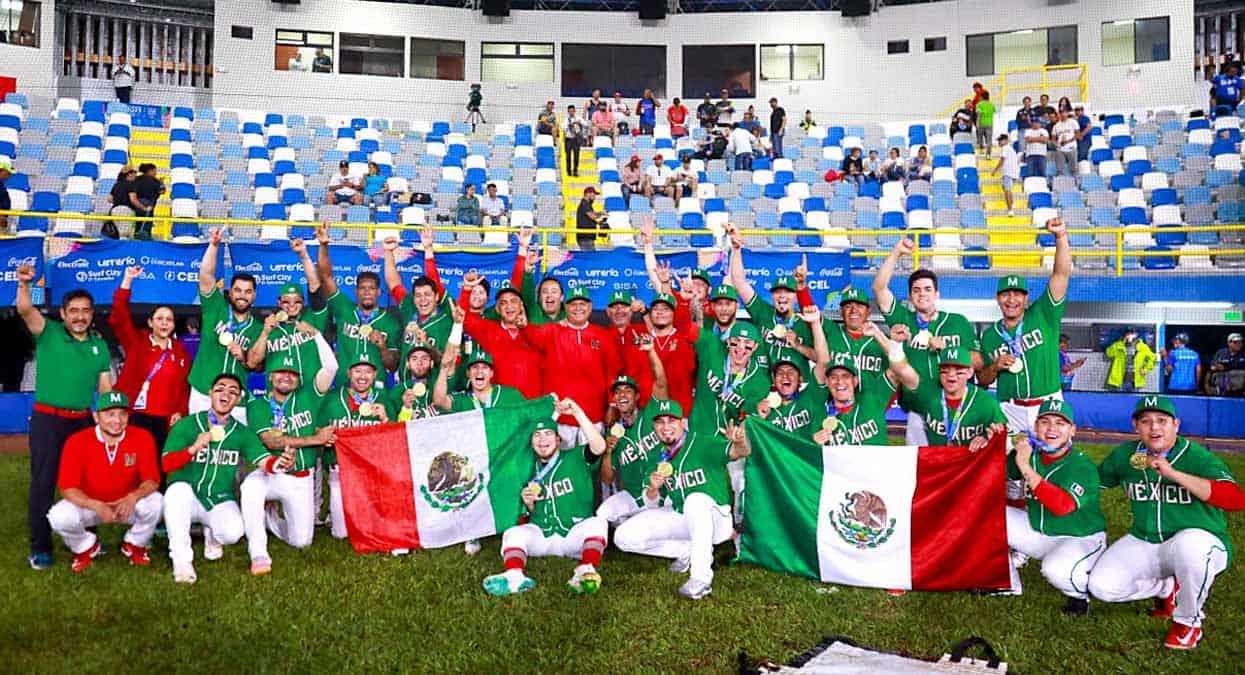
328 609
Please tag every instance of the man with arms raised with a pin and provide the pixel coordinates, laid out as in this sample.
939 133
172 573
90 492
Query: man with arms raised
786 337
518 361
362 326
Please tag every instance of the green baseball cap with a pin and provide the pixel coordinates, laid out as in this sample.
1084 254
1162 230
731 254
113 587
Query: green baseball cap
578 293
844 361
702 274
663 297
544 424
290 288
745 329
111 399
364 358
954 356
506 287
785 281
478 356
622 296
784 362
724 291
664 407
1157 403
280 362
423 347
851 294
1012 282
1054 406
624 381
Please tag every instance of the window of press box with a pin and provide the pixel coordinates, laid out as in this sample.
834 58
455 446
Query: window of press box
241 32
897 47
19 23
1136 41
992 53
303 51
516 62
359 54
713 68
626 69
791 62
936 44
438 59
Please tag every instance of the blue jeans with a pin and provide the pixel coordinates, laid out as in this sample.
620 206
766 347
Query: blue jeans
1036 164
743 161
776 139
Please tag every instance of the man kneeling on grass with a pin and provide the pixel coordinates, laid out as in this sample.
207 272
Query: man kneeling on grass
558 499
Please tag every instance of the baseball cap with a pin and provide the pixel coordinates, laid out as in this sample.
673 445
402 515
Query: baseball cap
785 281
1054 406
290 288
1234 337
578 293
1157 403
657 158
954 357
364 358
276 364
783 362
343 163
844 361
506 287
478 356
590 189
724 291
621 296
744 330
423 347
853 295
1012 282
108 399
1183 337
623 380
664 407
634 158
663 297
543 424
702 274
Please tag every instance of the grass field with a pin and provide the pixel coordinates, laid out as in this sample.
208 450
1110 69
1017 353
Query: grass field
328 609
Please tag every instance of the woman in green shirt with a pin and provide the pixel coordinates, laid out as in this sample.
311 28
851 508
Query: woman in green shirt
985 122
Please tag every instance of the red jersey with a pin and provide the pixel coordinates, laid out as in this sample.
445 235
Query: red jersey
86 463
168 389
632 360
577 363
516 362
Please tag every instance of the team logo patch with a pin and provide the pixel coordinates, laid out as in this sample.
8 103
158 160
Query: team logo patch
861 520
1077 489
452 484
130 459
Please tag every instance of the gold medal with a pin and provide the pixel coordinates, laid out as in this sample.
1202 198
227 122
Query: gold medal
367 409
282 316
534 488
1139 461
365 331
1017 366
774 399
419 389
830 423
225 338
618 430
410 327
779 332
217 433
665 469
922 339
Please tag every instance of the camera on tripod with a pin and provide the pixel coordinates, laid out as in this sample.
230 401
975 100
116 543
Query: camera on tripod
474 99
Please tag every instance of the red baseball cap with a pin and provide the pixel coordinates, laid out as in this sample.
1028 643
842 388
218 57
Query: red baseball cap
634 158
657 158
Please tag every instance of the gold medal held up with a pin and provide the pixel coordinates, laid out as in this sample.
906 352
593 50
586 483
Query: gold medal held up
617 430
217 433
1017 366
665 469
921 340
282 316
534 488
367 409
774 399
1139 461
830 423
779 332
419 389
225 339
365 331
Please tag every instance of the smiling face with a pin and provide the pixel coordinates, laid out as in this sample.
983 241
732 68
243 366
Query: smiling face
741 350
669 429
550 296
787 380
478 298
225 395
1012 304
480 376
362 376
545 443
724 310
620 314
291 304
625 399
284 382
1157 430
661 314
78 315
1054 430
924 296
842 385
112 422
425 298
578 311
784 300
854 315
419 363
509 307
954 379
162 322
700 289
367 291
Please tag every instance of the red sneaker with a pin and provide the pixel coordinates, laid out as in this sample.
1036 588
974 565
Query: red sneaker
81 561
1164 607
1182 637
136 554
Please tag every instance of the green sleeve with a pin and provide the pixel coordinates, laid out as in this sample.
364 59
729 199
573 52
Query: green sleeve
460 402
527 291
996 412
986 358
899 314
406 308
754 391
318 318
1109 470
103 362
182 435
1049 311
762 312
877 389
923 399
819 394
258 415
1080 480
968 337
252 448
392 404
212 308
1210 467
51 328
340 306
394 339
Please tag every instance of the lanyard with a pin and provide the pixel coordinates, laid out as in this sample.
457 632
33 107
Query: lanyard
547 469
232 327
494 394
835 410
359 400
729 381
365 317
952 422
673 450
1014 342
164 355
278 411
921 323
1046 448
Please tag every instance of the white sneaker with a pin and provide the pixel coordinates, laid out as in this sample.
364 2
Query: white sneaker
695 589
1010 213
472 547
399 552
184 573
212 549
681 565
508 583
586 580
1019 559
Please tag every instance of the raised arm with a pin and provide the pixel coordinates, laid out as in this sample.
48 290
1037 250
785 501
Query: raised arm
821 348
393 280
1060 276
207 267
882 280
441 388
650 259
661 384
596 442
328 364
736 272
120 319
324 266
898 371
520 259
427 241
299 247
35 323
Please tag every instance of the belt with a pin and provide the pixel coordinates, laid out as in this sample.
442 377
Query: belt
1028 402
62 412
301 474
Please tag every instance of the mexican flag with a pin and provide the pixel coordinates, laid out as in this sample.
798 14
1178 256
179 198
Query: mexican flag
895 517
437 481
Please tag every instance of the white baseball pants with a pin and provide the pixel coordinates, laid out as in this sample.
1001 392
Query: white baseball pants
666 533
735 470
1133 569
182 507
1066 561
618 507
914 433
70 521
296 496
337 513
534 544
202 402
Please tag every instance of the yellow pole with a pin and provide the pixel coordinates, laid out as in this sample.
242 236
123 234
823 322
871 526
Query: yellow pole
1119 252
544 251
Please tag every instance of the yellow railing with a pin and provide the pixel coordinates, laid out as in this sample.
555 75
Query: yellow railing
1118 250
1071 76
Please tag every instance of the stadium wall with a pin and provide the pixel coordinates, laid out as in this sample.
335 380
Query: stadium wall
35 69
861 80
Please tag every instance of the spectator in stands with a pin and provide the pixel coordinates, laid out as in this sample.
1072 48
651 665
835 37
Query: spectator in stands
658 178
1044 108
921 167
807 123
712 146
646 109
853 167
726 109
374 186
588 222
739 144
547 120
1227 369
985 110
1183 366
467 211
893 166
1009 165
120 200
1067 365
323 63
1225 90
632 178
297 64
1036 139
1064 106
573 139
676 115
603 122
6 172
963 119
1024 114
1065 144
595 103
1084 133
145 191
873 167
493 209
123 77
750 121
1130 361
621 113
761 146
685 179
979 92
707 112
344 186
777 126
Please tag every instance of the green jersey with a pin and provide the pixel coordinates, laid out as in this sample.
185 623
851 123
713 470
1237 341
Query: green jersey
297 417
340 408
531 302
566 493
213 358
699 466
803 414
499 396
422 407
633 457
351 343
863 422
1075 474
954 329
971 416
211 470
1162 508
436 326
722 396
67 369
286 340
866 352
1035 341
776 348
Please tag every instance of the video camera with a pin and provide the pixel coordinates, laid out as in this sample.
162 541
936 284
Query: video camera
474 98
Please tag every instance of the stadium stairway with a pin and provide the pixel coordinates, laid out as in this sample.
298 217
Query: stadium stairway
997 219
573 186
152 145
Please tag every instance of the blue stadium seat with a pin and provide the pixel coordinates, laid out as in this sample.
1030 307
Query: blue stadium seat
1158 262
868 220
812 204
345 132
610 176
1137 167
284 166
182 229
178 161
615 204
1121 181
182 191
980 261
894 220
871 189
918 202
237 178
1039 200
256 152
1099 155
916 135
775 191
1067 198
91 142
212 192
88 169
275 142
18 181
121 157
265 180
943 162
1170 238
1164 197
791 220
1134 215
252 128
174 134
1197 123
714 205
291 196
272 212
859 260
1218 178
750 191
762 164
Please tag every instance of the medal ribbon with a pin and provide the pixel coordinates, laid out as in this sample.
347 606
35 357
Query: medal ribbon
952 422
235 328
365 317
1045 447
547 469
359 400
835 410
492 399
668 453
731 381
921 324
1013 341
278 411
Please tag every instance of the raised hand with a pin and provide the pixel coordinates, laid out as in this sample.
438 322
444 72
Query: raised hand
810 315
133 272
298 246
801 272
322 233
427 238
1056 227
458 313
737 242
25 274
390 244
905 246
901 333
214 236
1024 451
525 237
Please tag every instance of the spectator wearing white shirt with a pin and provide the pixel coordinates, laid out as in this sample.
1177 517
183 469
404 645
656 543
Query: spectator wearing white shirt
685 179
344 187
492 207
1036 140
658 178
1009 164
573 139
739 144
298 64
621 112
123 79
1065 132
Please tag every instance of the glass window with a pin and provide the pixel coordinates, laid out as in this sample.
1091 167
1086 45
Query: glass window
791 62
627 69
980 51
717 67
19 22
303 51
516 62
1027 48
438 59
1061 46
371 54
897 47
241 32
1136 41
936 44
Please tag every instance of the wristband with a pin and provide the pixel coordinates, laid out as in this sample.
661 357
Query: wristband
456 335
428 254
896 353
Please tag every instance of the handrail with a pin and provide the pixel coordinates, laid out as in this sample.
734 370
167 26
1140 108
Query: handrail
1000 84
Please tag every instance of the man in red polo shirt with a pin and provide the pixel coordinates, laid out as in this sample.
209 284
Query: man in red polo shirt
108 474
